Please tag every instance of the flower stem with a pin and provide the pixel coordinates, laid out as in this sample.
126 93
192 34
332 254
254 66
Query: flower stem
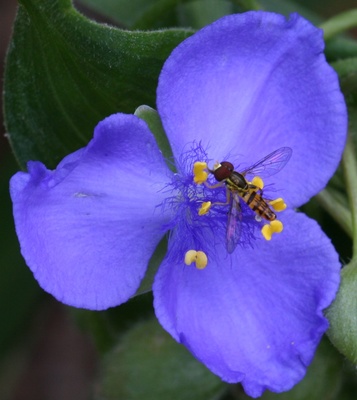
349 164
330 201
339 23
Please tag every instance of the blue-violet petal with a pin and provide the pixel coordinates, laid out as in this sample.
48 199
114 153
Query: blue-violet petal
255 317
88 229
250 83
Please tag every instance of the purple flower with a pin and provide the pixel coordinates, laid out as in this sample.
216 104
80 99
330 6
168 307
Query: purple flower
237 90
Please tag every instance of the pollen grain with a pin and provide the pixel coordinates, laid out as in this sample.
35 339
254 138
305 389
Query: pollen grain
278 204
198 257
200 174
205 207
275 226
258 182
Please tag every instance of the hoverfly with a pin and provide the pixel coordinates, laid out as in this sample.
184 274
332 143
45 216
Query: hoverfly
239 188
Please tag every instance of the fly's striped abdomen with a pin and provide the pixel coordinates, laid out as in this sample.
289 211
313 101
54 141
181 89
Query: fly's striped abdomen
256 202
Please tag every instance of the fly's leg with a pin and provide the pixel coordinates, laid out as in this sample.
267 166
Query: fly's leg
206 205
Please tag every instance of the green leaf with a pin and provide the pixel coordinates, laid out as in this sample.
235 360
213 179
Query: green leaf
334 197
288 7
193 13
335 203
140 14
342 314
336 48
340 47
149 14
347 73
65 73
106 326
148 364
154 264
339 23
200 13
152 118
126 12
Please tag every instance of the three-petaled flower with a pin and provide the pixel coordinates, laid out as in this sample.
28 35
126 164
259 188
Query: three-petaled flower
235 91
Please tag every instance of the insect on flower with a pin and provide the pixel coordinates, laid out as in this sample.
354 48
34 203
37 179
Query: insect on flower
238 187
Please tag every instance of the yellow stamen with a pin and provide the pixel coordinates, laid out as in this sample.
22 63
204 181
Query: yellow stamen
202 260
274 227
200 175
278 204
199 166
257 181
190 257
205 207
198 257
266 232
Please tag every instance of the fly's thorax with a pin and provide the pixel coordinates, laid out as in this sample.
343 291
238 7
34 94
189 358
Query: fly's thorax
236 181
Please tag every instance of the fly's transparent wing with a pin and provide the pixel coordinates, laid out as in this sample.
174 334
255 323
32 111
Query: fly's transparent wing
234 223
271 164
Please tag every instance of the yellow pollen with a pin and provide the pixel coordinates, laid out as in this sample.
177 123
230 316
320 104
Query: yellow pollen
257 181
200 175
205 207
275 226
278 204
198 257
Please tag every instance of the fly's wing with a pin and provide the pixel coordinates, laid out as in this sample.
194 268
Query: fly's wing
233 224
271 164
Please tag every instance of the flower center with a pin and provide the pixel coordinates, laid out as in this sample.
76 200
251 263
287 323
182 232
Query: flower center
238 188
221 207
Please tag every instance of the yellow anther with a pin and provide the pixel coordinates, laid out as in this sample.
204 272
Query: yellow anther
274 227
200 178
199 166
205 207
202 260
257 181
200 175
267 232
278 204
198 257
190 257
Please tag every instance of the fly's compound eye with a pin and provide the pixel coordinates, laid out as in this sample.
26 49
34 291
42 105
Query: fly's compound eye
223 171
227 165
